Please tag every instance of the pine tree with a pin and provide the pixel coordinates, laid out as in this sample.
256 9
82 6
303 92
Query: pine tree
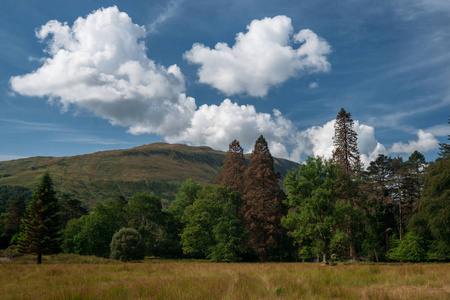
232 174
345 140
346 155
41 225
262 201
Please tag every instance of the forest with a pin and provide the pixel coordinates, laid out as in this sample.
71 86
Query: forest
396 209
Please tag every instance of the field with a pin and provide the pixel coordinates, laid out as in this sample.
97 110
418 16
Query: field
73 277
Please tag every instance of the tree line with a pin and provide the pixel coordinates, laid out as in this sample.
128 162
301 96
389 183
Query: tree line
326 209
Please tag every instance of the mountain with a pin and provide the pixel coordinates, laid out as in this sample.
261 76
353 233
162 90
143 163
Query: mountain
159 168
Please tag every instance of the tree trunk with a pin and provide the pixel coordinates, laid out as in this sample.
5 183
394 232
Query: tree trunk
39 258
400 211
352 250
324 259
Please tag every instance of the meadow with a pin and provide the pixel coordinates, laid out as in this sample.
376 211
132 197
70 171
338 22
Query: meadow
77 277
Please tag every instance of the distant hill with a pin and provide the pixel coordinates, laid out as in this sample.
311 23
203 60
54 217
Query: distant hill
159 168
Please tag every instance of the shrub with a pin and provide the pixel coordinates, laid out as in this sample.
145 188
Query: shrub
410 248
127 244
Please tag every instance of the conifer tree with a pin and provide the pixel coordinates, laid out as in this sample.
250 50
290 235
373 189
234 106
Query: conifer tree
13 218
346 155
41 225
262 201
232 174
345 139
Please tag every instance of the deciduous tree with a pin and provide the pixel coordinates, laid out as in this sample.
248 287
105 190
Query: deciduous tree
317 216
213 228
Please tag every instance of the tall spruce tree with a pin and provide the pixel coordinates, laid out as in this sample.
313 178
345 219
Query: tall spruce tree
41 225
345 139
262 201
232 174
346 155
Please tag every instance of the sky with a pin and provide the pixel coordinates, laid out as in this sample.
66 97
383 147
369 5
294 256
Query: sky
82 76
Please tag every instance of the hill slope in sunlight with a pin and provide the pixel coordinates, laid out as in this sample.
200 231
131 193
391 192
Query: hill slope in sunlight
157 168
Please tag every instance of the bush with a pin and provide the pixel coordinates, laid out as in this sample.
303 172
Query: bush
127 244
410 248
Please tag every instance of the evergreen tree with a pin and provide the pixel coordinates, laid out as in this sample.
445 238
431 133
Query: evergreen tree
262 201
346 155
378 207
345 140
41 225
14 215
232 174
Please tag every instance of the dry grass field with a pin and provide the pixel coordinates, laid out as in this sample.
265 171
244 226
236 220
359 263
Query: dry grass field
72 277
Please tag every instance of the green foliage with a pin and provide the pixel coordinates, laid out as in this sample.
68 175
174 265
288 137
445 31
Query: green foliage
432 221
71 208
41 225
92 234
127 245
317 218
186 196
410 248
14 216
144 213
213 228
7 192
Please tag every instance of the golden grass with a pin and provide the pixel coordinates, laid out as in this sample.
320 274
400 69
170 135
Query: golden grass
155 279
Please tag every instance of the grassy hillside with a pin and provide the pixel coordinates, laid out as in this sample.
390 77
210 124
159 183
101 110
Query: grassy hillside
93 178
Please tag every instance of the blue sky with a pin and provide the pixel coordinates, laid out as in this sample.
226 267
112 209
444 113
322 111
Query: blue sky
83 76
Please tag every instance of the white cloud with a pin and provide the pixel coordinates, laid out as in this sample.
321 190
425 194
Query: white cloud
260 58
313 85
439 130
216 126
169 12
100 64
425 142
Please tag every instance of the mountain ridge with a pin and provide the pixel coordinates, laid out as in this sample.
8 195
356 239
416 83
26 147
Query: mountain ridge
93 178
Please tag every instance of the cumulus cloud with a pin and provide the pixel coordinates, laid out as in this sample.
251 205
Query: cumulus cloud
260 58
217 125
100 64
425 142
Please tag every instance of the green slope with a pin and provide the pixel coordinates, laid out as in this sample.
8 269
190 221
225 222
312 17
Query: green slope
159 168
